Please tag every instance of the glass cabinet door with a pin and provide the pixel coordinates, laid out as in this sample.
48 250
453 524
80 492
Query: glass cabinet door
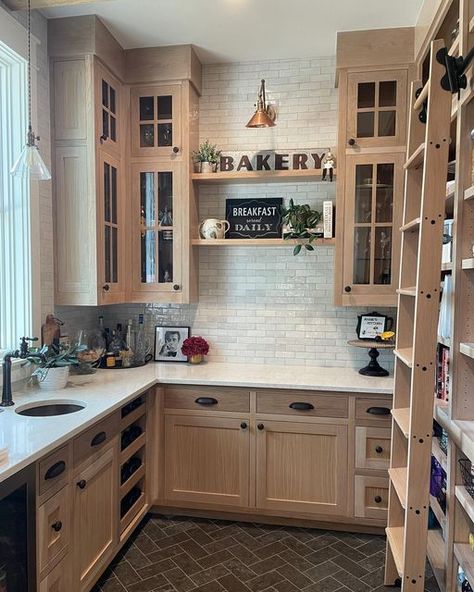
108 90
374 187
157 236
156 125
376 109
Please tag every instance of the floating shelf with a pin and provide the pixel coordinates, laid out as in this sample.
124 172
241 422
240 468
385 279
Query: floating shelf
467 349
299 176
416 159
402 419
405 354
399 481
439 454
395 536
407 291
412 225
435 550
258 242
466 501
468 263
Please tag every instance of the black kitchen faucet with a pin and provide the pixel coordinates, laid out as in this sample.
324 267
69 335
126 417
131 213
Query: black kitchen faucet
22 353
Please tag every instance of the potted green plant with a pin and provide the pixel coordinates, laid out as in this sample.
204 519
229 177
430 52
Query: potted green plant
207 156
53 363
299 222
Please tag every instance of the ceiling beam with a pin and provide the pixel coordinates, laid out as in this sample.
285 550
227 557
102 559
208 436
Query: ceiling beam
22 4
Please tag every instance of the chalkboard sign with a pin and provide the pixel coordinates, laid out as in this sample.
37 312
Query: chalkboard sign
254 218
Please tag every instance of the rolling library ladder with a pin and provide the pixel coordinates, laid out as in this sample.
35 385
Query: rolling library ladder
418 309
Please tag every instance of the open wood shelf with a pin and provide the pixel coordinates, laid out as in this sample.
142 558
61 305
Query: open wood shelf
411 226
468 263
132 481
290 176
416 159
132 512
395 536
469 192
407 291
439 454
399 481
132 417
259 242
465 557
436 556
405 354
438 512
467 349
133 448
466 501
402 419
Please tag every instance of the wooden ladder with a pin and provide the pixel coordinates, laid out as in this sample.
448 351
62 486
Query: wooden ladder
418 306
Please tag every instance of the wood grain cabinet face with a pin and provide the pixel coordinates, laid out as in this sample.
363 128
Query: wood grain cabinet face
54 528
59 579
301 467
207 460
371 497
372 448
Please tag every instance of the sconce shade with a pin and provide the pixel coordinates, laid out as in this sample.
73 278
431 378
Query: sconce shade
264 116
30 165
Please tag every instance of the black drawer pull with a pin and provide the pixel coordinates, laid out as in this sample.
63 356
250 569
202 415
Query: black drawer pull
98 439
56 470
298 406
377 499
206 401
57 526
378 411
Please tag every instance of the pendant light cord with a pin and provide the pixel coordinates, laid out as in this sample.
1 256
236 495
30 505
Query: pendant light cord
29 66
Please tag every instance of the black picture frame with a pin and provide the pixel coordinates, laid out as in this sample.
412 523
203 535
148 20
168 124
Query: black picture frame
167 350
371 324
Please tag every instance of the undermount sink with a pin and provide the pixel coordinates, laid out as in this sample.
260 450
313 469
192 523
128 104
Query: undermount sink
50 408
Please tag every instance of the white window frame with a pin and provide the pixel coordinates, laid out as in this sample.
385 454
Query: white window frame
20 299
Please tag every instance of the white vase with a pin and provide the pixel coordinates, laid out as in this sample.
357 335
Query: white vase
53 379
208 167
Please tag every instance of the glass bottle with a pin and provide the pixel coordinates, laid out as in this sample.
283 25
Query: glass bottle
140 344
128 355
116 347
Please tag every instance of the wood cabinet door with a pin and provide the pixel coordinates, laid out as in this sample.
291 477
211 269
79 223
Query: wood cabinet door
372 217
54 529
95 515
376 109
59 579
156 121
207 460
301 467
108 103
156 219
372 450
370 497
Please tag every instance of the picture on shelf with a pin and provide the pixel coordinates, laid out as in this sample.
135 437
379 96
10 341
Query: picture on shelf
254 218
168 343
372 325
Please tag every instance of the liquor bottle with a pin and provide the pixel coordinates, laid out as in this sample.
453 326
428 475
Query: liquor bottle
116 347
140 344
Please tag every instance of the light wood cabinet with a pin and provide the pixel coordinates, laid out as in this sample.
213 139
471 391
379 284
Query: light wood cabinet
207 460
372 448
59 579
54 529
108 104
371 497
301 467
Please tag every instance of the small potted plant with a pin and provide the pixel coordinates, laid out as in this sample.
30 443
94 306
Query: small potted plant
53 363
195 348
207 156
300 223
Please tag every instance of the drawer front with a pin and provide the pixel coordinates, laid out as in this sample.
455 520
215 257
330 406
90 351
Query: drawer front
59 579
303 404
207 399
370 497
372 448
53 471
376 410
53 529
95 438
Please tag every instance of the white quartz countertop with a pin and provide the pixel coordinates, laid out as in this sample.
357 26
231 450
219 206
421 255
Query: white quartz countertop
30 438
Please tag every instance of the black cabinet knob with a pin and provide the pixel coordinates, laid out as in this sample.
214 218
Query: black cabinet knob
57 526
176 287
260 426
243 425
347 289
379 449
106 287
175 149
82 484
351 142
377 499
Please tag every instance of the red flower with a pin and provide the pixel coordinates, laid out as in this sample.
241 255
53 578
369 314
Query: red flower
195 346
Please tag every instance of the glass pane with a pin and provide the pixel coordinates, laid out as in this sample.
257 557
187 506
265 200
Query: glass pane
147 136
165 198
114 195
112 100
113 128
384 193
107 253
165 107
383 255
148 257
165 247
361 270
366 95
105 94
365 124
147 199
363 194
105 124
388 93
106 192
147 110
387 123
114 255
165 134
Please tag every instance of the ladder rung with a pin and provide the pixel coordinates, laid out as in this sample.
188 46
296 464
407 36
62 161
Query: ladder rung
405 354
418 104
402 419
407 291
415 160
412 225
399 481
395 536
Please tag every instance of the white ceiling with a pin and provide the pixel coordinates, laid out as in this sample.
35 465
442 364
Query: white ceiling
244 30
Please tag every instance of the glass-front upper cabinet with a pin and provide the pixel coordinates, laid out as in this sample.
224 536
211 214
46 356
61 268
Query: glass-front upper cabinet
156 121
376 109
157 231
374 197
108 105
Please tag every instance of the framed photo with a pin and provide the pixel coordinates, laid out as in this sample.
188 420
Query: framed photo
168 342
370 325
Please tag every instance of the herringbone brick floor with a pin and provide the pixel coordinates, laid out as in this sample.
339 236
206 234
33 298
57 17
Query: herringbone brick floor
193 555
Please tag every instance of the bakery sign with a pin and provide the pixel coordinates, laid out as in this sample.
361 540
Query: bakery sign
254 218
271 160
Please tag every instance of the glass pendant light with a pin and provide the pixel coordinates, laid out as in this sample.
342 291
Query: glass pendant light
30 164
264 116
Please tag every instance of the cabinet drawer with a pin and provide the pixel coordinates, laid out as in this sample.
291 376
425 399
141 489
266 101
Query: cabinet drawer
370 497
59 579
372 448
302 403
95 438
53 471
53 529
377 410
207 399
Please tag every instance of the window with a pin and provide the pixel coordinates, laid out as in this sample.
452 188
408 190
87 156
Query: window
15 238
